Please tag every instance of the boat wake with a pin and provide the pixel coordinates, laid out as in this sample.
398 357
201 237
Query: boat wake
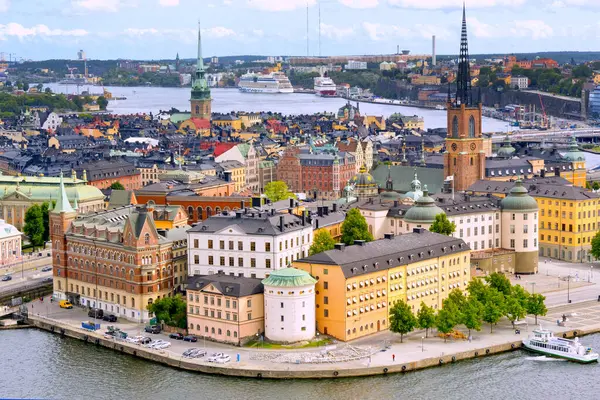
544 359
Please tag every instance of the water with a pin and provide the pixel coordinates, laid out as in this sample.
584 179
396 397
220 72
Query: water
37 364
154 99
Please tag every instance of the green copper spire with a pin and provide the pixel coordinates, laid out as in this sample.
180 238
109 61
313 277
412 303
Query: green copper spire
62 203
200 90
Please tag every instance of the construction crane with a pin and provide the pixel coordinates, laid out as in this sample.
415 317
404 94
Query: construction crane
544 123
71 69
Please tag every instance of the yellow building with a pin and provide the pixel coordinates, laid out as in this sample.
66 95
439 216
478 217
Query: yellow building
238 173
224 120
425 80
357 285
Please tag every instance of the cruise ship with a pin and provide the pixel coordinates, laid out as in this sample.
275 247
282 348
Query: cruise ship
324 86
275 82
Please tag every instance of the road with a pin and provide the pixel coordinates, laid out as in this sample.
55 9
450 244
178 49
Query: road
564 292
29 277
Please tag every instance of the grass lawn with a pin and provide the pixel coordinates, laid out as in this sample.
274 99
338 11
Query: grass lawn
301 345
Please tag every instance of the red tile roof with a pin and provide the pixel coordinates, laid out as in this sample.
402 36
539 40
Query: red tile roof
222 148
201 123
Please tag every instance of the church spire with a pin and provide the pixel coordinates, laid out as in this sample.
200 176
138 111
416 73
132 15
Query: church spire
423 163
200 62
62 203
463 90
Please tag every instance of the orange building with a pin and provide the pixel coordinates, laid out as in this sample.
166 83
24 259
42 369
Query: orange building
102 174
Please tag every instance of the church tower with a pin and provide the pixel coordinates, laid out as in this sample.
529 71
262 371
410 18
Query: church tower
200 100
60 220
464 158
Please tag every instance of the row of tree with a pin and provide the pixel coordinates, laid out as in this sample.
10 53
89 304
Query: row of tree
37 223
487 301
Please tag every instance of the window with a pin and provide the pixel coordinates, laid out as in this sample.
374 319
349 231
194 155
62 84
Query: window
253 263
231 262
240 246
282 318
326 300
147 238
240 261
525 217
210 244
252 246
512 243
205 299
222 260
249 316
525 242
325 285
222 244
211 260
196 259
455 127
525 229
268 263
195 243
471 127
267 246
326 313
512 229
249 303
231 245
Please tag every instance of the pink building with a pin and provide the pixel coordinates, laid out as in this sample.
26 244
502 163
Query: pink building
224 308
10 244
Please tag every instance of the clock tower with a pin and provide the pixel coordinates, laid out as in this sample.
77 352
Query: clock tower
200 100
464 158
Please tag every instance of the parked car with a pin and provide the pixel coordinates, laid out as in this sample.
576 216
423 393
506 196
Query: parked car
110 318
65 304
96 313
47 279
190 338
224 359
47 268
145 340
6 278
152 329
214 357
177 336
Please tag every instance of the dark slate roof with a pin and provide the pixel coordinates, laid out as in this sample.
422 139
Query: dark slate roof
403 176
233 286
400 250
536 189
252 223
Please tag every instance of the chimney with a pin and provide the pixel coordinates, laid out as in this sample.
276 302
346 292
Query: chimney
290 211
246 210
291 203
360 242
238 214
340 246
316 224
326 210
433 56
303 218
543 173
388 236
334 207
320 211
227 176
419 230
272 211
281 223
242 204
556 171
396 203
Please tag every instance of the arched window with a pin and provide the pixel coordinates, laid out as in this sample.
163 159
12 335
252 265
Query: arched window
471 127
471 160
197 109
212 330
198 327
200 212
220 331
234 332
147 238
228 332
208 212
218 210
190 212
455 127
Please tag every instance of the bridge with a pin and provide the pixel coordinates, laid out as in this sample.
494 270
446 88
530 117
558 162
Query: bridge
562 136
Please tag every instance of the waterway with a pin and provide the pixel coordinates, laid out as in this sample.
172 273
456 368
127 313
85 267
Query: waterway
153 99
37 364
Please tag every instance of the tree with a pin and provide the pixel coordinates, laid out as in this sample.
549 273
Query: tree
402 319
514 310
445 321
472 314
102 102
536 306
442 225
596 185
34 225
46 218
117 186
322 242
171 310
25 86
278 190
425 318
499 282
595 250
39 87
355 228
48 90
477 289
493 308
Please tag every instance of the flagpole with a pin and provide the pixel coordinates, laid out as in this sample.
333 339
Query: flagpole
452 187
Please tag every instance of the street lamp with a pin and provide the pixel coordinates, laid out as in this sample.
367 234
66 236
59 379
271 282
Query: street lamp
591 272
422 345
568 288
532 287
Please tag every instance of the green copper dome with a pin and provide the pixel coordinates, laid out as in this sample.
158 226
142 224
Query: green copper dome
518 199
574 154
390 196
506 150
363 179
424 210
289 277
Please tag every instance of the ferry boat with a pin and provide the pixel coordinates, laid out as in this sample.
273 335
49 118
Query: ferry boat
324 86
275 82
543 341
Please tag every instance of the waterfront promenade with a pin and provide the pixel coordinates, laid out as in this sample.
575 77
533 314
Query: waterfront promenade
380 353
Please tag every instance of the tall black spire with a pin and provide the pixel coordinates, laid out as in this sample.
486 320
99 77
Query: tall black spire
463 80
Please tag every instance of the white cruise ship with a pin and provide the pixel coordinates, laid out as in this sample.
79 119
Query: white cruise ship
324 86
275 82
543 341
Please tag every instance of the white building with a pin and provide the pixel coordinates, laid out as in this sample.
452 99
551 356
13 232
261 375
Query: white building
52 121
246 154
289 298
522 82
354 65
248 243
10 244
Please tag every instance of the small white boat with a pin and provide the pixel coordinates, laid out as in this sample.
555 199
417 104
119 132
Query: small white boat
543 341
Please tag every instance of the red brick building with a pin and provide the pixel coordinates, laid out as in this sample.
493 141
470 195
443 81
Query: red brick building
102 174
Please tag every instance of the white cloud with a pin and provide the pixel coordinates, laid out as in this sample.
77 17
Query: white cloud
227 2
437 4
97 5
334 32
360 3
377 31
258 32
4 5
19 31
280 5
218 32
168 3
533 28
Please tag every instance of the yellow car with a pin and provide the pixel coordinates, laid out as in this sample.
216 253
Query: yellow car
65 304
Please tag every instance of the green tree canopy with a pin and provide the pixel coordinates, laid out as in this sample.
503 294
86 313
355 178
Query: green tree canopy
536 306
46 218
402 319
514 310
493 308
117 186
472 312
355 228
425 318
171 310
34 225
102 102
442 225
278 190
595 250
477 289
499 282
322 242
445 321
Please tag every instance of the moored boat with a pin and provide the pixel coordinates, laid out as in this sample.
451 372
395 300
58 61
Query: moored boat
543 341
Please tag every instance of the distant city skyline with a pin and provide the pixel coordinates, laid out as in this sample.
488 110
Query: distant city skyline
154 29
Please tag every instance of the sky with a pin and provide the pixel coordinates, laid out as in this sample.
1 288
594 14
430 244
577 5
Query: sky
153 29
